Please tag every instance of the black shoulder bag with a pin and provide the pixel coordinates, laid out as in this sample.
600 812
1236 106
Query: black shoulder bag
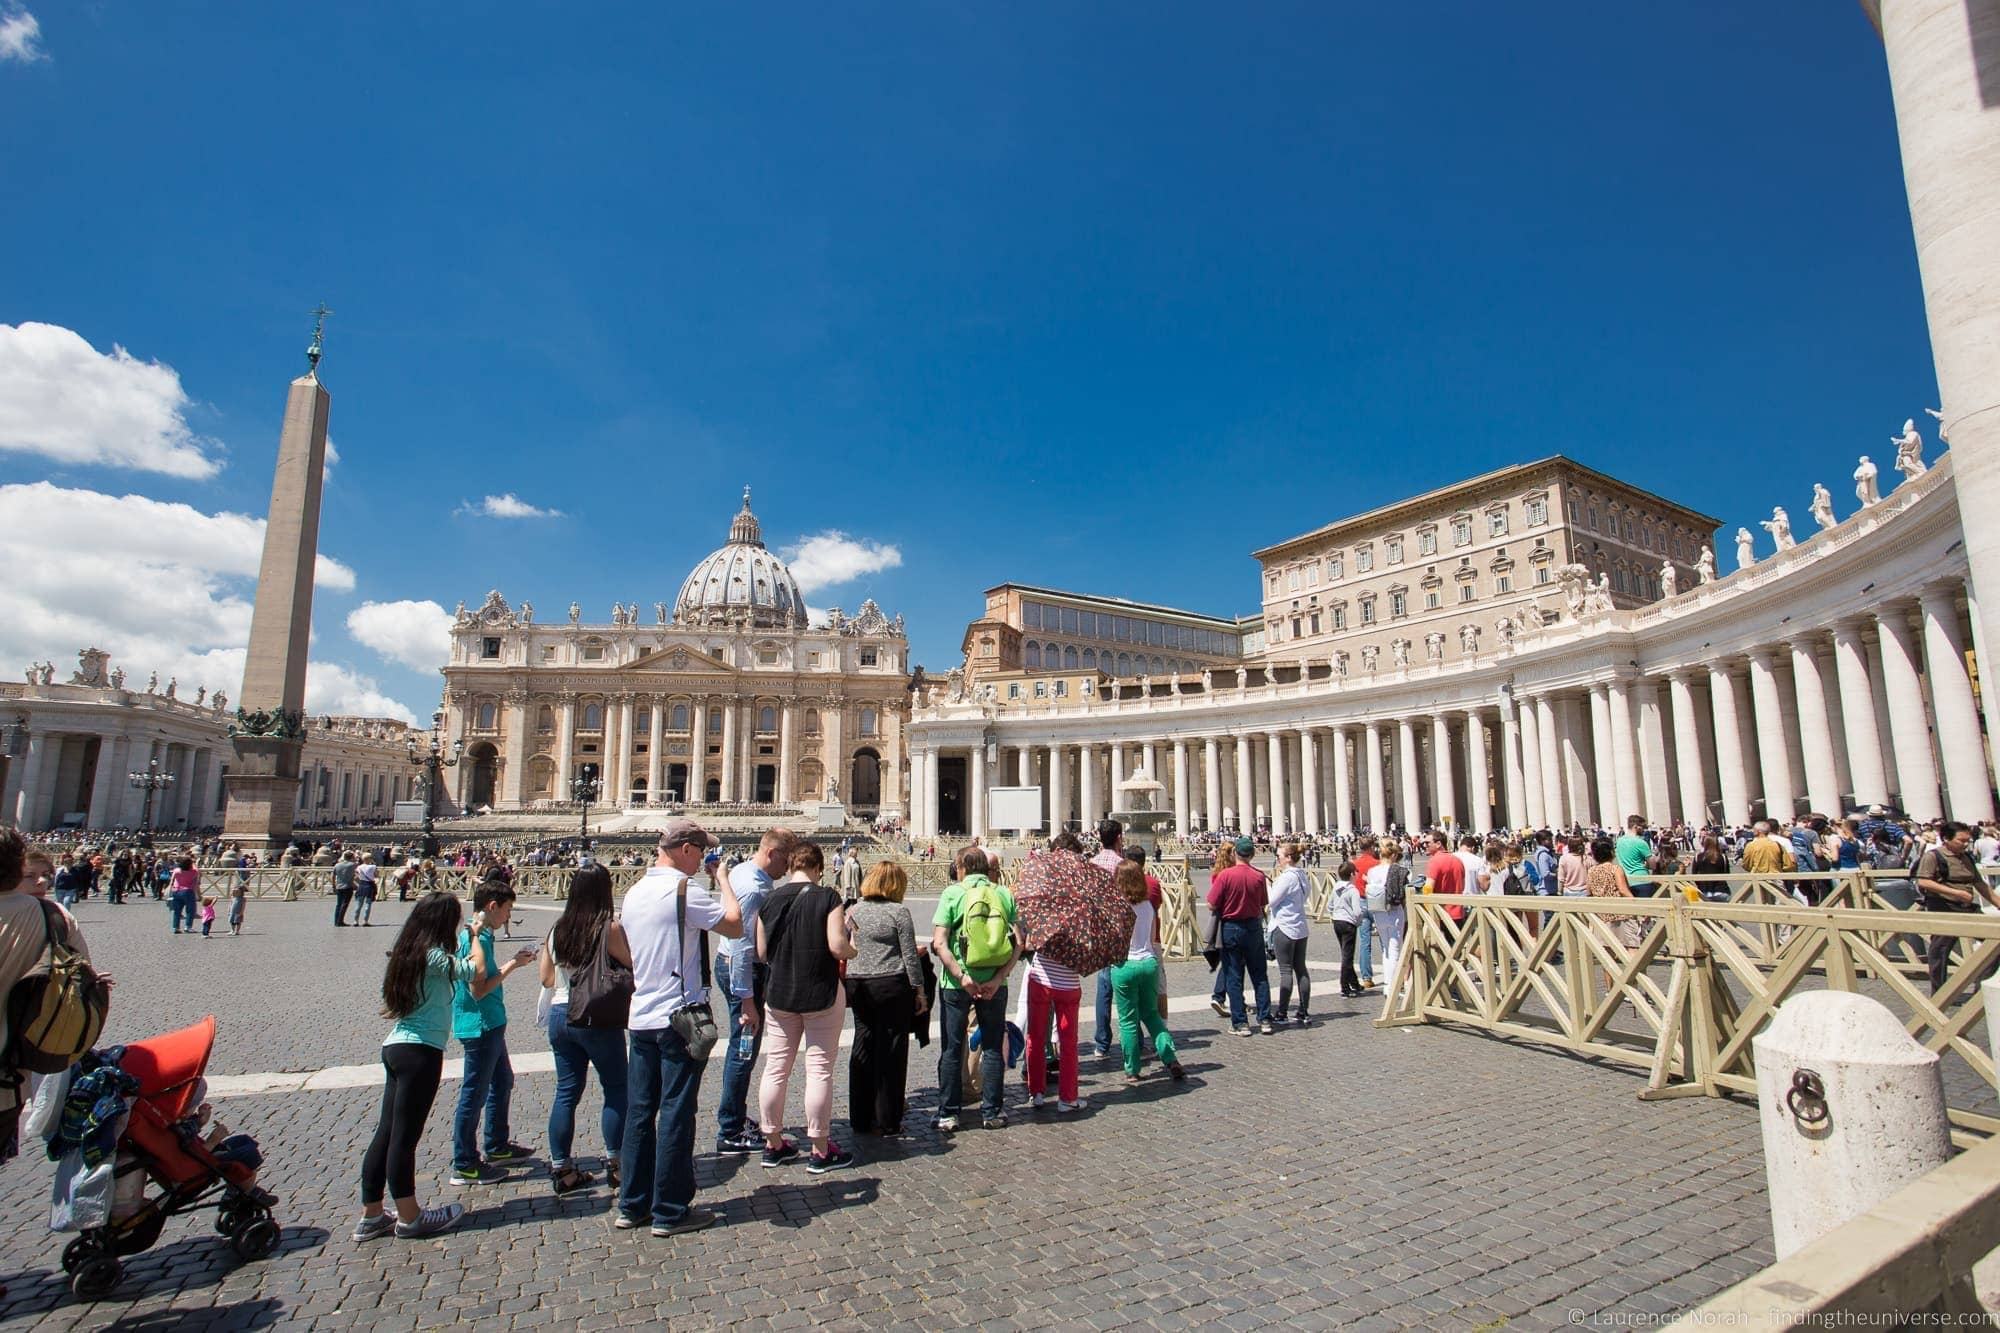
693 1023
600 991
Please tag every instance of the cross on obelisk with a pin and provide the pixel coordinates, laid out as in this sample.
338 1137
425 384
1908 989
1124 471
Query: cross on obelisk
269 730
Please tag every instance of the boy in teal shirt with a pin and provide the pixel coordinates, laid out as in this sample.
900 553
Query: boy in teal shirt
479 1021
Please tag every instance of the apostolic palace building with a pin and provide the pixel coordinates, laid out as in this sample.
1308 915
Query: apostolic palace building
1543 645
725 695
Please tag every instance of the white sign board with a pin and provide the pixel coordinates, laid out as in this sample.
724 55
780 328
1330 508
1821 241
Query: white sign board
1014 808
409 812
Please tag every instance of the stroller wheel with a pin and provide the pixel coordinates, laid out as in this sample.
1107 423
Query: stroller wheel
95 1277
76 1252
228 1222
257 1238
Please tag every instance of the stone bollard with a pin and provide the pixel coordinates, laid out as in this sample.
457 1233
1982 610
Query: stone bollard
1852 1109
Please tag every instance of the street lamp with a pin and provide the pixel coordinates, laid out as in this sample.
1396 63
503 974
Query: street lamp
149 780
432 759
584 788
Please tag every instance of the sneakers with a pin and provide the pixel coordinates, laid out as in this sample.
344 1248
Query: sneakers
696 1219
998 1120
624 1223
1221 1009
945 1124
1064 1108
477 1174
508 1153
1239 1032
836 1158
1266 1028
431 1222
374 1228
784 1154
745 1143
1302 1021
1037 1100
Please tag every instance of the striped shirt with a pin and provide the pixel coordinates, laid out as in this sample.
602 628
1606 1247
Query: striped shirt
1053 974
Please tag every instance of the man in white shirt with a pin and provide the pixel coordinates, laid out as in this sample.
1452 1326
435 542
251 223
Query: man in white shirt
669 963
1475 864
751 881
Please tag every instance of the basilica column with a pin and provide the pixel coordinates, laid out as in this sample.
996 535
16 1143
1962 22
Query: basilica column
1857 713
1768 701
1510 761
1604 764
979 791
1538 812
1410 814
697 791
1343 792
1968 789
1212 783
729 769
1183 814
1734 775
1687 749
1624 754
1274 753
1058 788
656 725
786 792
1086 766
565 743
1246 791
1479 807
1371 764
1549 747
1815 728
1444 782
624 752
513 793
103 787
1655 794
931 791
1308 782
1153 769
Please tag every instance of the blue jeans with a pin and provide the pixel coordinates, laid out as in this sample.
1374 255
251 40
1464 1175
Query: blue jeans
576 1051
657 1157
955 1008
488 1082
364 907
1243 951
731 1119
1103 1033
180 909
1364 950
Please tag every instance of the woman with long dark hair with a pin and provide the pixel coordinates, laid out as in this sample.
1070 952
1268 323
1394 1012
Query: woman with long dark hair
586 921
417 985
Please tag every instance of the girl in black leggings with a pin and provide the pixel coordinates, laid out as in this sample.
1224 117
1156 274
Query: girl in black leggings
416 992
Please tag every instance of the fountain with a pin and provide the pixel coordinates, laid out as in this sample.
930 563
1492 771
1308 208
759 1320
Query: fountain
1140 804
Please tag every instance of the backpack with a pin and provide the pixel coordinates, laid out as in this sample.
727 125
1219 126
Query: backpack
984 938
1397 887
56 1011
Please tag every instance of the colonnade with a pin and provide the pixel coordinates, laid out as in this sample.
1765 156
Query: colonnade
1876 707
60 775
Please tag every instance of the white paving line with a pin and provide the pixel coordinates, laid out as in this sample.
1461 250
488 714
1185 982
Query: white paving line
336 1078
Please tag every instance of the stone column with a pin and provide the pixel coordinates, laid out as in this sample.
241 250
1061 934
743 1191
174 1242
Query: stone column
1118 772
697 752
1058 788
1086 765
1769 703
1604 764
1531 766
977 819
181 798
1246 792
103 782
787 794
1967 786
1654 791
1942 56
1574 737
1859 714
1687 749
627 710
1370 760
1153 769
931 791
1815 729
1343 791
1309 782
730 780
1550 749
1211 811
1624 754
1731 771
656 729
1478 801
1510 760
1445 784
1183 813
202 780
565 743
1274 753
833 728
1410 812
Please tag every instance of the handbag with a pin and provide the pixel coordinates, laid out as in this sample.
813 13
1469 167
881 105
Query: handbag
1211 944
600 992
694 1024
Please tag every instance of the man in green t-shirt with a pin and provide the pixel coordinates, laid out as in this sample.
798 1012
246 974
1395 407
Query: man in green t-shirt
1633 853
956 934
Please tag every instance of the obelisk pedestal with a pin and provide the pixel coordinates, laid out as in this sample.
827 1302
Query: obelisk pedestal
262 785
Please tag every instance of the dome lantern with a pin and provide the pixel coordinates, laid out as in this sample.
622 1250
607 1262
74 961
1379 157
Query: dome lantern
740 581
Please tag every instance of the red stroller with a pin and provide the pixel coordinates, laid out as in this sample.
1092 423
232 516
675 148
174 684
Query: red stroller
163 1139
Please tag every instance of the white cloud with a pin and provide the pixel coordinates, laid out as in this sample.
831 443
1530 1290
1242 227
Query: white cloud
67 401
20 35
413 634
162 587
509 505
332 457
827 559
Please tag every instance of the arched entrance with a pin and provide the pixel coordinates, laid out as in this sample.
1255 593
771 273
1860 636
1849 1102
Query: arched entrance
481 782
865 791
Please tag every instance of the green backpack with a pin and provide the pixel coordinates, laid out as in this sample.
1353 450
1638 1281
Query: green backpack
984 938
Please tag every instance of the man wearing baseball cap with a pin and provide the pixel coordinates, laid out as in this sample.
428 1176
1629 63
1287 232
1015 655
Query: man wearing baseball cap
664 917
1238 895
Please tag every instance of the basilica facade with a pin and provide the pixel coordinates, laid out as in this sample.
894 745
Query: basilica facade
725 696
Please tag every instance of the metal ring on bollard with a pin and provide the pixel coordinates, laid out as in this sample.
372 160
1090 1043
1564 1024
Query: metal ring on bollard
1807 1099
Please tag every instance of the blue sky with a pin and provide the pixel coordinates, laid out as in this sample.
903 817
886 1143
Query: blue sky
1099 298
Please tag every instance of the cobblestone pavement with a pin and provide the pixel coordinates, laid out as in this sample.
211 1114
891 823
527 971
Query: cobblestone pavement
1336 1175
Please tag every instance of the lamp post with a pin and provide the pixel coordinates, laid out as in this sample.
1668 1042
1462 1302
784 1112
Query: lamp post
584 788
149 780
431 757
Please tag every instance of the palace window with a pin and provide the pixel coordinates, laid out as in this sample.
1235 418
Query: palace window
1399 605
1013 689
767 720
1312 581
867 722
1315 625
1461 532
545 719
1271 583
767 657
1542 575
1041 689
1430 601
1503 583
548 652
812 722
715 722
489 648
1537 510
593 717
1031 656
1368 610
1062 689
677 718
1333 569
1364 559
1293 580
869 657
642 720
1496 522
1427 542
1298 623
1340 617
1466 592
593 652
1393 549
1069 657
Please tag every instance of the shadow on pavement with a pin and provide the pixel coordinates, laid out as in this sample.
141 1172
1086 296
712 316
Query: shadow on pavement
241 1314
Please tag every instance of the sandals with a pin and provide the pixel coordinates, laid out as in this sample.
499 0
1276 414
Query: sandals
567 1179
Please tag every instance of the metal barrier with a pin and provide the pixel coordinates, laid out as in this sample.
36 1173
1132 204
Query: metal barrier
291 883
1554 970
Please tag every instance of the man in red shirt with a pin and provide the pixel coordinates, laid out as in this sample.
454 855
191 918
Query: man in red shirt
1237 896
1444 872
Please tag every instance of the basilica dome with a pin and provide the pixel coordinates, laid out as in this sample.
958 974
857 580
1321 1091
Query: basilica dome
741 579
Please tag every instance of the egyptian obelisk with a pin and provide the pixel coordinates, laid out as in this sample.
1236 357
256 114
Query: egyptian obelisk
262 786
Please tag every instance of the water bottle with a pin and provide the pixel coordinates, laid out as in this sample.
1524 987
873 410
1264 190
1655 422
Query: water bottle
746 1046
